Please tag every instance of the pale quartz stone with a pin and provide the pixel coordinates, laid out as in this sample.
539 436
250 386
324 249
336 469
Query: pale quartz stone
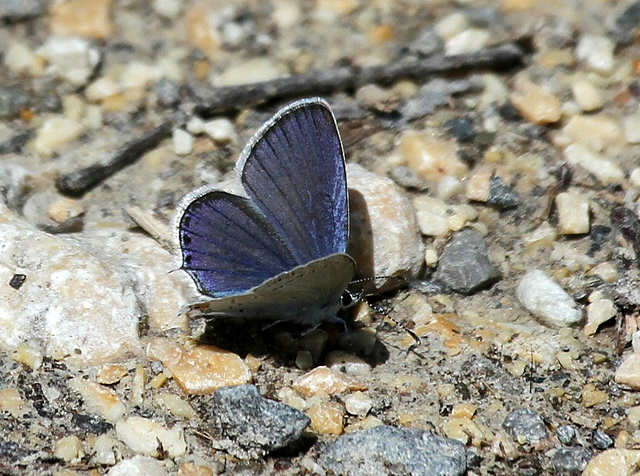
536 104
176 405
84 18
613 462
55 133
327 418
251 71
103 450
101 89
593 131
598 312
170 9
597 52
358 403
628 373
138 466
604 170
588 97
631 127
325 381
28 355
546 300
146 436
99 400
68 449
73 59
573 213
467 41
431 157
64 209
12 403
451 25
138 75
182 142
384 238
220 130
18 57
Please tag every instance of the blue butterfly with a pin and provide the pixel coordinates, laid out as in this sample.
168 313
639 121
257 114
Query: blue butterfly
279 250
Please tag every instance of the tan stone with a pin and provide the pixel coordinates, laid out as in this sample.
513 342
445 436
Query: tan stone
85 18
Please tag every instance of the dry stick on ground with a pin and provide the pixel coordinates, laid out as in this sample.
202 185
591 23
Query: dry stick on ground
232 98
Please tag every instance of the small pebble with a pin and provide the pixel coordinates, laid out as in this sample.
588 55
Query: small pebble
631 128
182 142
64 209
358 403
599 312
98 399
138 466
103 450
462 429
566 434
525 426
202 369
69 449
137 74
431 157
73 59
596 52
28 355
304 360
603 169
12 403
573 213
83 18
176 405
252 71
535 103
19 57
601 440
571 460
220 130
200 28
451 25
467 41
593 131
436 218
101 89
546 300
169 9
348 363
12 102
324 381
588 97
592 396
109 374
54 134
628 373
146 436
615 462
327 418
464 265
290 397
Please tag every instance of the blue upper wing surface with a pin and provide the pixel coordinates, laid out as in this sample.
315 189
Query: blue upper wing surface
228 246
294 171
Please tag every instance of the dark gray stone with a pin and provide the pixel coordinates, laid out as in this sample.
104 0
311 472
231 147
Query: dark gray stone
385 450
464 266
571 460
480 371
435 93
566 434
12 101
601 440
427 44
168 92
627 23
20 9
501 195
525 425
247 425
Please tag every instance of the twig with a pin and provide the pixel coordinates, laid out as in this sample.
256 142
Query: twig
80 181
231 98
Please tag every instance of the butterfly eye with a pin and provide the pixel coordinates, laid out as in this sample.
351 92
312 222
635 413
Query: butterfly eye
350 298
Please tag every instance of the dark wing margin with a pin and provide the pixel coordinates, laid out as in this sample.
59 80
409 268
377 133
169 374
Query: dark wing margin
294 171
228 246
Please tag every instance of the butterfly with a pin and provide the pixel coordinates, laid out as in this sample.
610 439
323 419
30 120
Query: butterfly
278 250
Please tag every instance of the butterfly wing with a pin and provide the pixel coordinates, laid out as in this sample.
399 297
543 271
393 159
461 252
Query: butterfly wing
228 246
306 294
294 171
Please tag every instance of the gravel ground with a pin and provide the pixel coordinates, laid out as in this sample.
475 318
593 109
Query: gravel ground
504 184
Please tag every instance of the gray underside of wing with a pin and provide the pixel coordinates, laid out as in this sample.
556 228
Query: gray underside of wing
306 294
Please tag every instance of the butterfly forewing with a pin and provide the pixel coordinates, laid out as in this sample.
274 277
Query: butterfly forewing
294 171
228 246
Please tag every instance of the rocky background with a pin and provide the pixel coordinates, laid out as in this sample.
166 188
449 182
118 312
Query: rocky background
493 160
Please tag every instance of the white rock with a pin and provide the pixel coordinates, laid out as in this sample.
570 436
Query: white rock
546 300
605 170
384 238
597 52
631 127
358 403
436 218
451 25
98 399
73 59
80 308
587 95
55 133
101 89
138 466
148 437
598 312
182 142
252 71
628 373
138 75
220 130
103 450
573 213
19 57
168 8
473 39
